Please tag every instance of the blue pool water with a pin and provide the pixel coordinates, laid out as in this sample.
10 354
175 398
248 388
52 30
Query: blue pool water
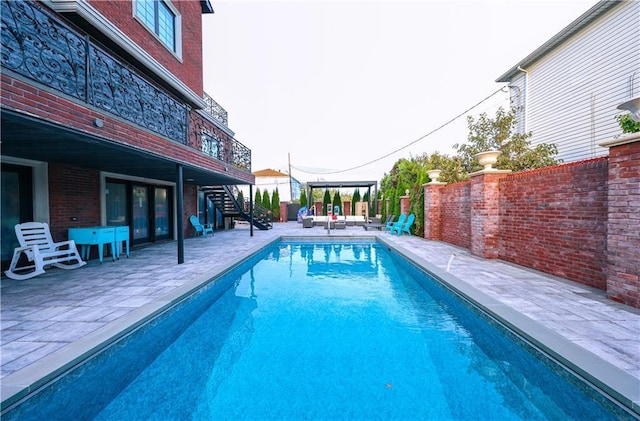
309 331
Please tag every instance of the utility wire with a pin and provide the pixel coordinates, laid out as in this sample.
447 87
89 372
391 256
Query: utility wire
442 126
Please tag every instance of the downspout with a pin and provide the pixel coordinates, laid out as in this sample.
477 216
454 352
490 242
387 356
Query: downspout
526 98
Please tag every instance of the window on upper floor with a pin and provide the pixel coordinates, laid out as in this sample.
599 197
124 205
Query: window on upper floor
162 19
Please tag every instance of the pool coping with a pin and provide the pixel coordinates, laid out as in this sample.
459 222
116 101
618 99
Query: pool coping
604 376
609 379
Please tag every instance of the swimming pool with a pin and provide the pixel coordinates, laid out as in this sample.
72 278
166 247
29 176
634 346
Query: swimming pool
318 331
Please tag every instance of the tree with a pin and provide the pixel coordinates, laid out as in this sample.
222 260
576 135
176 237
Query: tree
266 202
325 201
355 198
486 134
627 124
275 204
406 174
417 207
337 201
451 167
258 197
240 199
303 198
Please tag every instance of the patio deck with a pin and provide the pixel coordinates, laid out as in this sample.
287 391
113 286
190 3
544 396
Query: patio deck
51 321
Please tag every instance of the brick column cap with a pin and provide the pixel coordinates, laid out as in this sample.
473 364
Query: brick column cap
621 140
489 171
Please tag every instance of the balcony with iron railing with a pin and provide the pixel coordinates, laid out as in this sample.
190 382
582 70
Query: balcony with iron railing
216 111
39 46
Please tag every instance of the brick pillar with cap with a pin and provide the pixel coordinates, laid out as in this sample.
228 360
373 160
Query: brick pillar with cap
485 212
623 220
432 221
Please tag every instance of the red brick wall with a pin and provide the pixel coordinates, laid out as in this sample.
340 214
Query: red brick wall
31 99
189 70
455 214
284 215
623 245
554 220
190 205
73 193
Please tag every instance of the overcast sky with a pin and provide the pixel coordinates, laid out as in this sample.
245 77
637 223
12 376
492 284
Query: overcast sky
339 84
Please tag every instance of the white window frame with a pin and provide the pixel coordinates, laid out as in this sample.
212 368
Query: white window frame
177 28
40 185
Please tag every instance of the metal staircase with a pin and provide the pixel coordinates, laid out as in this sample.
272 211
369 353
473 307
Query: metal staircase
224 199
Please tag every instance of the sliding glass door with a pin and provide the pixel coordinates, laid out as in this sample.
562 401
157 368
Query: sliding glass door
145 208
162 213
140 214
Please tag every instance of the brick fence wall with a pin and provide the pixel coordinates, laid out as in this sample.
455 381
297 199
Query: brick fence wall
554 220
579 221
455 208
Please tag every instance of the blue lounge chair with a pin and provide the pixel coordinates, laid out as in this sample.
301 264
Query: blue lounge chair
390 225
405 227
200 228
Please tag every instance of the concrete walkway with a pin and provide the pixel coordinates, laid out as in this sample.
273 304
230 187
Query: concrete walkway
51 321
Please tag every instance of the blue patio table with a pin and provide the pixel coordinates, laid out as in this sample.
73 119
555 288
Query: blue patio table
89 236
122 234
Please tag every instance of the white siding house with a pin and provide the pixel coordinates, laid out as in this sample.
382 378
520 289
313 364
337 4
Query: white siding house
566 92
269 180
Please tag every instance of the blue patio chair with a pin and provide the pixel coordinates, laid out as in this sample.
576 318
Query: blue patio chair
200 228
390 225
405 227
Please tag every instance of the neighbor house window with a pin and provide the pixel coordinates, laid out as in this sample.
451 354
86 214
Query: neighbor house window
161 18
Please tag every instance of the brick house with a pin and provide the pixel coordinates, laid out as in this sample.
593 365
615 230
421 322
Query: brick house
105 121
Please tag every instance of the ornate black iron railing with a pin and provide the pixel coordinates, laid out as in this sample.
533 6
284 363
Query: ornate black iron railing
216 110
208 138
40 47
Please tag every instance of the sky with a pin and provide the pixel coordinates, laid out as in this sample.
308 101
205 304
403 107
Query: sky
341 90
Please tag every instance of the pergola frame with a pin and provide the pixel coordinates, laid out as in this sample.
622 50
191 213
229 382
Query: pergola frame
345 184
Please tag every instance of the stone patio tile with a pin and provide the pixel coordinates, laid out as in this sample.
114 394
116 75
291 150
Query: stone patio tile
83 314
25 359
63 332
18 349
46 313
133 302
10 335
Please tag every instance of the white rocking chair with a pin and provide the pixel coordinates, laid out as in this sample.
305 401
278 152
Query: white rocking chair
38 246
